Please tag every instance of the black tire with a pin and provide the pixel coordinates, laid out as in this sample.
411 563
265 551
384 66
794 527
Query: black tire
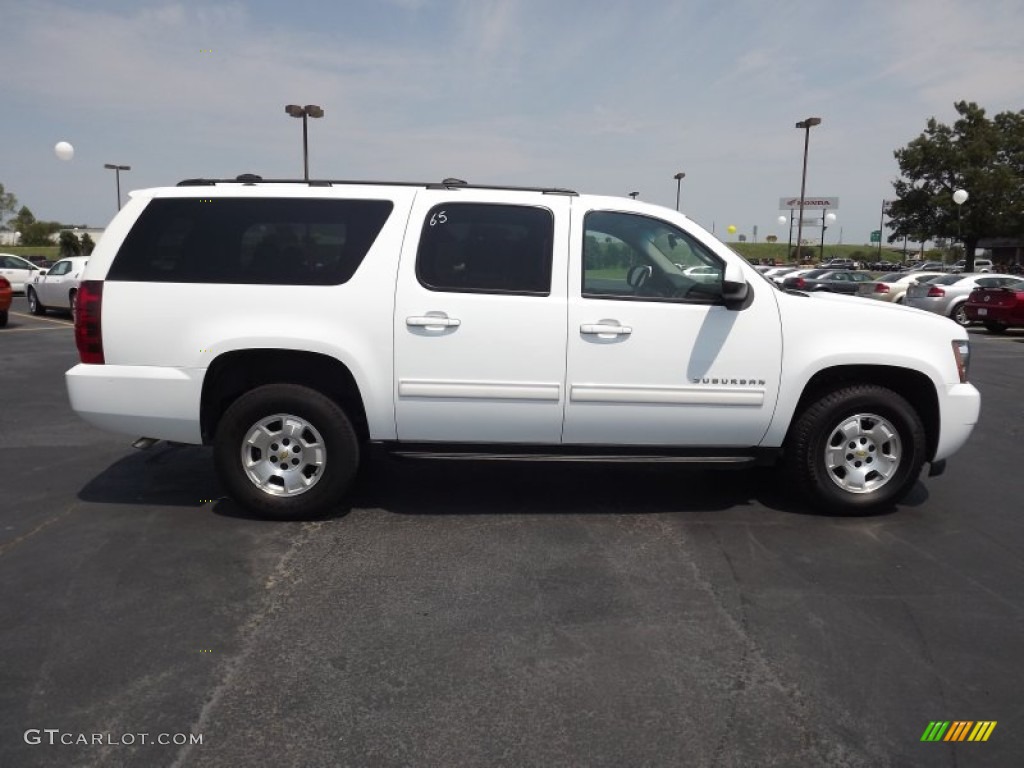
959 314
996 328
331 479
34 305
3 318
818 427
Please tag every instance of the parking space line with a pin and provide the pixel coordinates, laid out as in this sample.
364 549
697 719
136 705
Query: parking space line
4 548
39 317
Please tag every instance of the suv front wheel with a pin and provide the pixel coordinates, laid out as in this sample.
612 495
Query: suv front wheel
286 451
856 450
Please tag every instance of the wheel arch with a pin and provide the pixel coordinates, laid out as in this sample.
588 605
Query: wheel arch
232 374
914 386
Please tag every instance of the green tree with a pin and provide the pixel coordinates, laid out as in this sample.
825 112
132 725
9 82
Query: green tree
38 233
983 156
8 202
21 221
87 244
69 244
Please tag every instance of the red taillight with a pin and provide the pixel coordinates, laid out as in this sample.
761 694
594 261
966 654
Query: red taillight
935 292
799 283
881 288
88 332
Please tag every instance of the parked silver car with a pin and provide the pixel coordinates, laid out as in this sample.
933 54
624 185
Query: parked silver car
946 295
893 286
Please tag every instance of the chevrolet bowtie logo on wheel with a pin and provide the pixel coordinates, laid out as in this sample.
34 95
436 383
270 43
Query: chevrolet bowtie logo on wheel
958 730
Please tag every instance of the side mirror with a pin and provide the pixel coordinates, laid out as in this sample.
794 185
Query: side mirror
734 285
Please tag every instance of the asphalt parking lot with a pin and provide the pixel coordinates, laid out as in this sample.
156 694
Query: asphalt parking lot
462 615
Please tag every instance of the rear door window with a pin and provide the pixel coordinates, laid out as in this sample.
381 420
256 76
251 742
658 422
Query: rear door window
486 248
250 240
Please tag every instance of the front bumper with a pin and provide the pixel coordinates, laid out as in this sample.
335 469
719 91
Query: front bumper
958 414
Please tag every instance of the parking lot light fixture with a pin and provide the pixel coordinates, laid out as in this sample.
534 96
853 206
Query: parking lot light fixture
679 181
827 219
310 110
960 197
806 125
117 176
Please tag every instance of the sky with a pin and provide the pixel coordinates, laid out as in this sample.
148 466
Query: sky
600 97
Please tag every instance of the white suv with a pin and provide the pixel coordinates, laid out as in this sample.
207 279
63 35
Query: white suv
294 324
980 265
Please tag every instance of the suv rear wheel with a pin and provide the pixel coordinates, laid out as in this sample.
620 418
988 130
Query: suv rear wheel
286 451
856 450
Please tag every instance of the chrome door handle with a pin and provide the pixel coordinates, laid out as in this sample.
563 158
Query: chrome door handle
434 321
605 330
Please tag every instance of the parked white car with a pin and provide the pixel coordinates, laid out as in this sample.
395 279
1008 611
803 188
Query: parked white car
292 325
57 288
18 271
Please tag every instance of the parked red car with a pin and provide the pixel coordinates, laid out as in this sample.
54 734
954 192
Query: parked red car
5 299
998 308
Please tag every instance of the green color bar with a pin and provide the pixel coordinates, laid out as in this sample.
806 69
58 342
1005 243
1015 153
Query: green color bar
935 731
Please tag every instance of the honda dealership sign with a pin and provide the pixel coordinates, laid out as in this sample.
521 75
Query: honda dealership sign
793 203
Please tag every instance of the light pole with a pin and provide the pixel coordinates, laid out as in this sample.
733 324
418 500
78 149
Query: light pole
960 197
634 195
881 226
806 125
117 175
827 219
310 110
789 241
679 182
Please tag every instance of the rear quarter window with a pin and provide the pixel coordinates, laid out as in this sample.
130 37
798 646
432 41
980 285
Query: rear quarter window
250 241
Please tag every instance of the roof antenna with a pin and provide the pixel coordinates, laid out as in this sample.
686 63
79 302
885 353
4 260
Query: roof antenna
453 182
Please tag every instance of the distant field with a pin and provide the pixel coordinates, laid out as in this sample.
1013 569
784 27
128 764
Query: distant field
777 251
51 252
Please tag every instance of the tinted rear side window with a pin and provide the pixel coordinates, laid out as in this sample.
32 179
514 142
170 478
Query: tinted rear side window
250 240
486 248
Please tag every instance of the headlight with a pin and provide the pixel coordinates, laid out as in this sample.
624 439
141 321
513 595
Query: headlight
962 354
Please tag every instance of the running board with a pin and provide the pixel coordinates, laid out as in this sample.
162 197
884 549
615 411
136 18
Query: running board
579 454
630 459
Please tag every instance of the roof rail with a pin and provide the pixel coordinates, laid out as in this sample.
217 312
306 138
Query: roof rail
251 179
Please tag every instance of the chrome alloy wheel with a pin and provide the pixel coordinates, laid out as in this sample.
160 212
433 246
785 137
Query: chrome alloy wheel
283 455
863 453
960 315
